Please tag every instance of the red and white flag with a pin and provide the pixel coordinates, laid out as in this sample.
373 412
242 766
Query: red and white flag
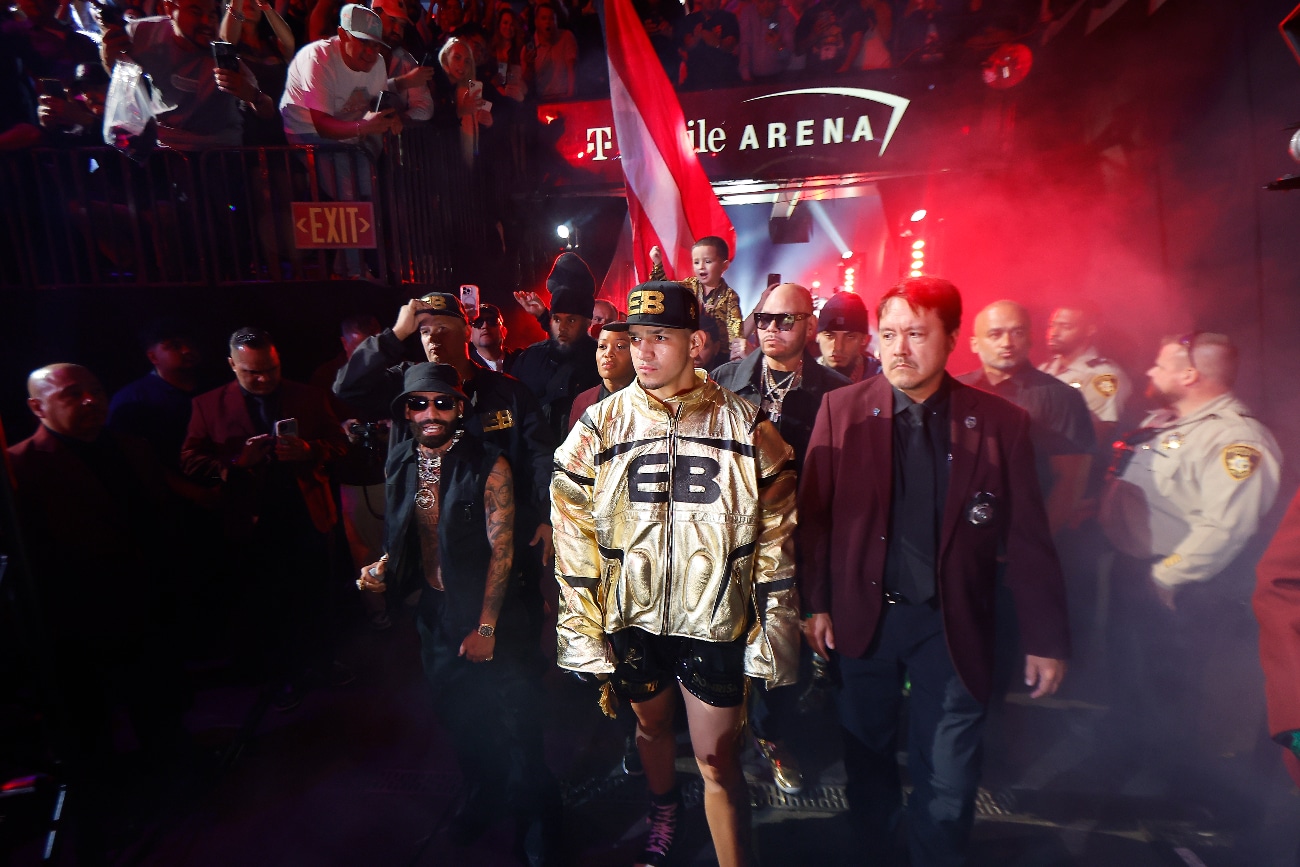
669 200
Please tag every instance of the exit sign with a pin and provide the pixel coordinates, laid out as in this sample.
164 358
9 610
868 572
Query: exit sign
328 225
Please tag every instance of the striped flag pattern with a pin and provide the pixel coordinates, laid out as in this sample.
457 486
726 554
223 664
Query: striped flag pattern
669 199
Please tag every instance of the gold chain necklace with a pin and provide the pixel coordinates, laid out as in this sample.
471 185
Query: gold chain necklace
429 471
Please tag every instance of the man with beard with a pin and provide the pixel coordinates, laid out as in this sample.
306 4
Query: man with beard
915 490
561 367
786 382
783 379
842 334
1184 494
176 52
501 412
449 534
488 334
266 444
1105 386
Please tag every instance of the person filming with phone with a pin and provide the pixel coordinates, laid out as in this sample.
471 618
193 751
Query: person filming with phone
209 91
266 444
334 85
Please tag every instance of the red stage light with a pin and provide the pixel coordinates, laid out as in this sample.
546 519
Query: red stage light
1007 66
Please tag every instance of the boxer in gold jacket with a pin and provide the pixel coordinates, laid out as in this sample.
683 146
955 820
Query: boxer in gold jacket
673 505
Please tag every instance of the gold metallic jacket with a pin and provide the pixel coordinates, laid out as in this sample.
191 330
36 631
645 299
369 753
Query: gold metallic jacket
679 526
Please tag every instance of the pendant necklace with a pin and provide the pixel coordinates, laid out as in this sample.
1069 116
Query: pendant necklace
429 471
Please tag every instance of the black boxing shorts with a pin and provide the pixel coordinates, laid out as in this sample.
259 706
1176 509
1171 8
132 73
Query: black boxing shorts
713 672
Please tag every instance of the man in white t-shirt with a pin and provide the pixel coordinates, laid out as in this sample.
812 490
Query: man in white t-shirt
332 85
329 98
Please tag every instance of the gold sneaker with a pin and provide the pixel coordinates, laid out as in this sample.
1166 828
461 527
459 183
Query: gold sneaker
785 770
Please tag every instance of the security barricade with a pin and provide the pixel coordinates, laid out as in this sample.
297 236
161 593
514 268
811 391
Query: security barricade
93 216
260 231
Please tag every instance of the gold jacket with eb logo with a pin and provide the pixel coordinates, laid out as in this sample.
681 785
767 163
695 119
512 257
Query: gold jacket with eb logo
679 526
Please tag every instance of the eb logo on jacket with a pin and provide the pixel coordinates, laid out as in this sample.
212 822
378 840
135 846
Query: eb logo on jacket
694 479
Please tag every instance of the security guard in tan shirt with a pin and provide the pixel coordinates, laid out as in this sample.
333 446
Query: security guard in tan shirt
1184 494
1076 362
1191 484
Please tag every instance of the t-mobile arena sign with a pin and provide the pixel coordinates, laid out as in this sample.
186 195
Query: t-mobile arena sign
902 123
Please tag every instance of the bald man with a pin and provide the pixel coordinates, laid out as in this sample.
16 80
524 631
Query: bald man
785 380
95 521
1060 426
1184 494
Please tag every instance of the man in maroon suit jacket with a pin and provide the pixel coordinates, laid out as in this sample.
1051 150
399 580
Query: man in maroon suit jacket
914 488
276 500
94 510
1277 605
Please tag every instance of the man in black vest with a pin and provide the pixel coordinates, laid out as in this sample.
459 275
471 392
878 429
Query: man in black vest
563 366
501 411
450 534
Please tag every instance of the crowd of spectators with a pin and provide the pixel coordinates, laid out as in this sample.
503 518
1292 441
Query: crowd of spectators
52 87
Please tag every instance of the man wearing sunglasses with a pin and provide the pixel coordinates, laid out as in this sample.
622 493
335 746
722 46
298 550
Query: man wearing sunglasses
1184 495
449 534
785 381
673 503
500 411
488 336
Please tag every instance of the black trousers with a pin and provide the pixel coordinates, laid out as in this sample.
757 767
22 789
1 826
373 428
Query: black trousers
944 741
1185 684
493 714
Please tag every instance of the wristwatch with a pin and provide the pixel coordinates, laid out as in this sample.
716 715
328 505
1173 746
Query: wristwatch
487 630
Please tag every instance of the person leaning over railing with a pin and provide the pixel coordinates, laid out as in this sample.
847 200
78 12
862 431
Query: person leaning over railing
333 83
76 118
330 98
176 52
265 43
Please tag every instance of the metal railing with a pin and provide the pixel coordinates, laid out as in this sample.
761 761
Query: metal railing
94 216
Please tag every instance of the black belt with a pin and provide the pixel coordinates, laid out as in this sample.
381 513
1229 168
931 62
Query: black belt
893 597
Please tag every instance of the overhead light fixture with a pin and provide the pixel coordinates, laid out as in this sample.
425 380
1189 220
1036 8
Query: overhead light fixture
1007 66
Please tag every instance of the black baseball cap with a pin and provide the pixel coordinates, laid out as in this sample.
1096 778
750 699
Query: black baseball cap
845 311
663 303
442 304
487 313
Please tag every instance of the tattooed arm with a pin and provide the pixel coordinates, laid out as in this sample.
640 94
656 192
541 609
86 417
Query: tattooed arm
499 503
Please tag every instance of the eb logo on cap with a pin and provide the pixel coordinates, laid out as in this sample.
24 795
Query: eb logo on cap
437 302
645 301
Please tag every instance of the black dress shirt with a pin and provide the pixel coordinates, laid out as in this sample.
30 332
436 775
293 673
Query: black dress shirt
920 487
1059 422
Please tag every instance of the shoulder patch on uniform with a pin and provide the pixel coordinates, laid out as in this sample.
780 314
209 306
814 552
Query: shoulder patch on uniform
1106 384
1240 460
